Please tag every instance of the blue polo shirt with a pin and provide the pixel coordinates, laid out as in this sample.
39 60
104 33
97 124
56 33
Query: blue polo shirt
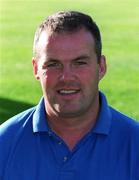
30 150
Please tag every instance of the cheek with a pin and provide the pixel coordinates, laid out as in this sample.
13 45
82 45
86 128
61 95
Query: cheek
90 80
47 79
89 75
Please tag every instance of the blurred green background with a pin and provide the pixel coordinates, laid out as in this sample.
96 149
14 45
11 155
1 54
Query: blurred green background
119 25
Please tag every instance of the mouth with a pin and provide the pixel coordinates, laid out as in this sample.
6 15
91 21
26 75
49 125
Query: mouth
65 92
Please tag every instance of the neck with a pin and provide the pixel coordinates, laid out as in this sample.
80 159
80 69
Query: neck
71 134
71 130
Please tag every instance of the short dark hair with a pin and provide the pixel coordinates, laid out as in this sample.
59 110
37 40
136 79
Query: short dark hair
70 21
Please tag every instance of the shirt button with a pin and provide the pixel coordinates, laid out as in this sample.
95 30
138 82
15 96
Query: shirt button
49 133
65 158
59 142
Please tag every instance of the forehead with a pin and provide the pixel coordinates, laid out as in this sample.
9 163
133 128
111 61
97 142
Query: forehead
66 42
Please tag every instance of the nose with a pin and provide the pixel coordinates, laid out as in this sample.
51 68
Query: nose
67 74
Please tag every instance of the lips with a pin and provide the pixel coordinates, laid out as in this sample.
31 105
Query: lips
68 91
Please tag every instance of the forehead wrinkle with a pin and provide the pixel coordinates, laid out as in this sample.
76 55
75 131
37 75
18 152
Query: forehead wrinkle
64 42
71 37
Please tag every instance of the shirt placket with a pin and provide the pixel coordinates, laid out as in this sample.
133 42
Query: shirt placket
62 156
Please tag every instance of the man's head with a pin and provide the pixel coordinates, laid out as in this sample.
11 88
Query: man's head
66 52
68 22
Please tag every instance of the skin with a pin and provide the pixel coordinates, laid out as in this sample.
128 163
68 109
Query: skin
69 74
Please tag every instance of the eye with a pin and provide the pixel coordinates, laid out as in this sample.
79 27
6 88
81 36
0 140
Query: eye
80 62
53 64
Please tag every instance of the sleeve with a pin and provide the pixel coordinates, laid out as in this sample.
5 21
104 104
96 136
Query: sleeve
8 131
4 148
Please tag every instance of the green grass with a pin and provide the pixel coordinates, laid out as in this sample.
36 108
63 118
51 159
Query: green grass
119 24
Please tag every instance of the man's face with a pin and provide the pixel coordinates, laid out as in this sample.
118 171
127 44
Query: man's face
69 72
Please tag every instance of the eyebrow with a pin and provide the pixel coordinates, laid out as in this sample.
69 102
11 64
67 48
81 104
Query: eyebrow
49 60
81 57
74 59
52 59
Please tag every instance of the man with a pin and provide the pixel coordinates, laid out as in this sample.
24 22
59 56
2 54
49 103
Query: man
72 134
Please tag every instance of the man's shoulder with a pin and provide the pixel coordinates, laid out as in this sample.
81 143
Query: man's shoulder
11 132
17 121
124 122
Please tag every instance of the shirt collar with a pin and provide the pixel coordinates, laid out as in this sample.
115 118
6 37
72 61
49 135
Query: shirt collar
39 118
103 122
102 126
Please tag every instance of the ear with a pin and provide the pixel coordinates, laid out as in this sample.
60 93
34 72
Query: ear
102 67
35 68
